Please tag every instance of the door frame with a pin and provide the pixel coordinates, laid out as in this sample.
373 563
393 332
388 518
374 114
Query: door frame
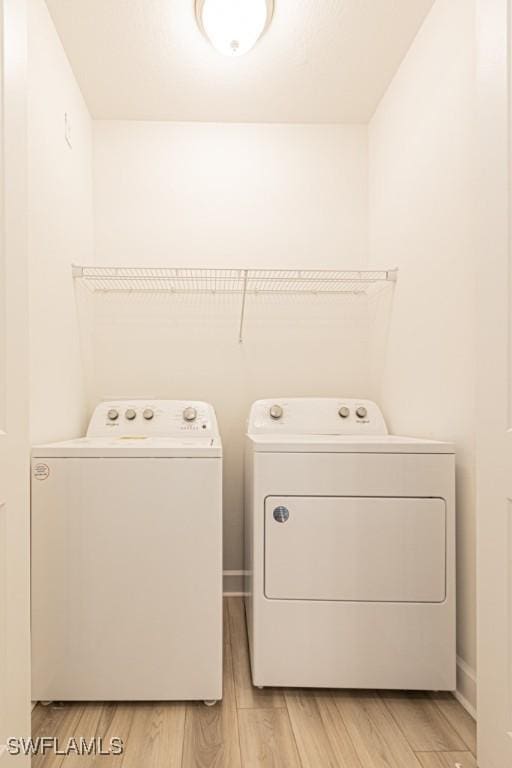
494 377
14 373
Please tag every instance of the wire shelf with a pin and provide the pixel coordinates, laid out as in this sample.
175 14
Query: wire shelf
156 279
245 282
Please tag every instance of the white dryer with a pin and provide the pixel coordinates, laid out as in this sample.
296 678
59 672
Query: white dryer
127 557
350 549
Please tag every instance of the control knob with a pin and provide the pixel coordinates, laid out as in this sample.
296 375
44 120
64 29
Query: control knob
148 414
361 412
276 412
190 414
112 414
130 414
344 412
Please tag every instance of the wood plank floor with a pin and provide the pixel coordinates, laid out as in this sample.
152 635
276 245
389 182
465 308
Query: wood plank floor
268 729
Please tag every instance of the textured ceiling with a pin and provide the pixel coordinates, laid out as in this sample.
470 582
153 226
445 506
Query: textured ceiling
321 60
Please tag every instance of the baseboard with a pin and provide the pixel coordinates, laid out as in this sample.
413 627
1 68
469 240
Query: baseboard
235 594
466 687
233 583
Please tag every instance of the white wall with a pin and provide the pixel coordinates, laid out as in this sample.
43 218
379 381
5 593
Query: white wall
421 211
204 194
236 196
60 230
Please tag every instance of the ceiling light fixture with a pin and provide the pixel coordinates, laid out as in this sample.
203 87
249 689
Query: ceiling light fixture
233 27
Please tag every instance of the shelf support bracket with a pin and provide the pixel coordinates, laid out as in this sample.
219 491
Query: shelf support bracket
242 309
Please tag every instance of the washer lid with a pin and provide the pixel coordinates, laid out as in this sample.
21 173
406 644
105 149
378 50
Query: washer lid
283 443
131 447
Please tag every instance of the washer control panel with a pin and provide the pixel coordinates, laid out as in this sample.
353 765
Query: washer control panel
153 418
316 416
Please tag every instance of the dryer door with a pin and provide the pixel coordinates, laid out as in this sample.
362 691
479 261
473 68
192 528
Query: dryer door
355 548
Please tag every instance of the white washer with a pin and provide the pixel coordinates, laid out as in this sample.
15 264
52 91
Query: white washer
350 549
127 557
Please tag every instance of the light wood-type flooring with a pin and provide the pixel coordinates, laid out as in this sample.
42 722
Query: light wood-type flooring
282 728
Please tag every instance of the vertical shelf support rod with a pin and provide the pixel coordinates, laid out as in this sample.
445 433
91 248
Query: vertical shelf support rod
242 310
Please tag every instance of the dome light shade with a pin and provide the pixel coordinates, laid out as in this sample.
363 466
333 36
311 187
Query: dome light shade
233 27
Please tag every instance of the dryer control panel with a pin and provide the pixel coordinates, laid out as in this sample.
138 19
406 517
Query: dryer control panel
316 416
153 418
